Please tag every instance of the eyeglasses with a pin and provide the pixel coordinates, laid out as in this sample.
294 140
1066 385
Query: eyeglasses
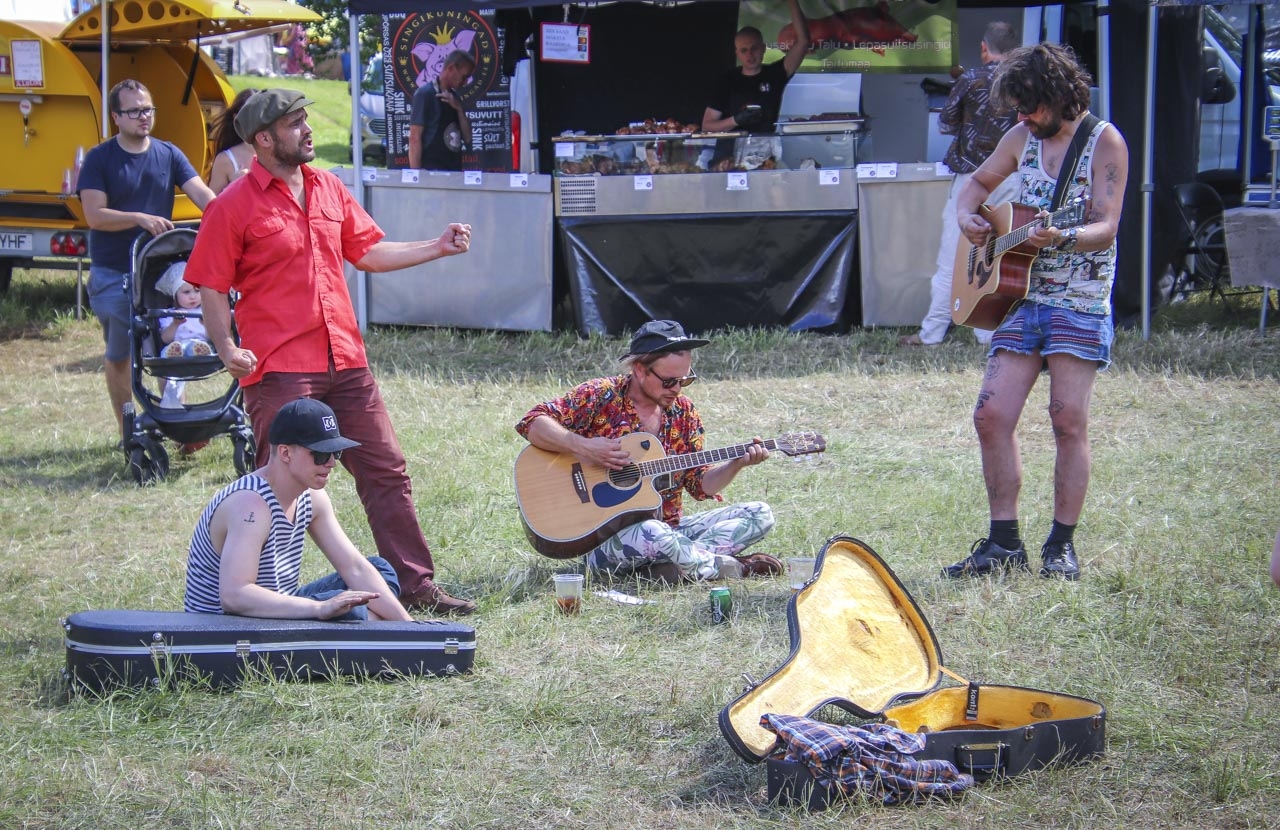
140 112
322 458
670 383
1026 109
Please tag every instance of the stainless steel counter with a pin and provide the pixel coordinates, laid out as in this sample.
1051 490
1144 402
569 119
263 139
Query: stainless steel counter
503 282
757 191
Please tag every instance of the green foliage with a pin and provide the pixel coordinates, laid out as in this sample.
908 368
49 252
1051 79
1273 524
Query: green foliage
333 32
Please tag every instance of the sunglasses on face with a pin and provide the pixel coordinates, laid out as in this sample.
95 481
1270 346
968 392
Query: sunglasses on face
322 458
138 113
670 383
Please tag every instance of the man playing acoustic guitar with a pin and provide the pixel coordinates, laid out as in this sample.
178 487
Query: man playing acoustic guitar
588 423
1064 324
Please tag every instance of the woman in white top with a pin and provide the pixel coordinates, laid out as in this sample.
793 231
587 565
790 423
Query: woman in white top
233 155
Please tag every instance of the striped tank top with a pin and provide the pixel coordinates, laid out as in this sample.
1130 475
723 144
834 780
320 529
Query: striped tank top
280 564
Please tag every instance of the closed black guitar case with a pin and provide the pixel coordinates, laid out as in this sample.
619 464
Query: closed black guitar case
859 642
138 648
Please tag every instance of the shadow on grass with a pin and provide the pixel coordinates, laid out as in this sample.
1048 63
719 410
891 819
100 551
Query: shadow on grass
73 470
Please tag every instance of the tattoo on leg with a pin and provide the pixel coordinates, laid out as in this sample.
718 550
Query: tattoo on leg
1056 406
983 397
993 367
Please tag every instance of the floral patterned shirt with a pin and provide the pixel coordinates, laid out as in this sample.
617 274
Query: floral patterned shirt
600 408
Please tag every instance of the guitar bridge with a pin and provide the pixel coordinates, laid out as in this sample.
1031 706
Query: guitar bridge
580 483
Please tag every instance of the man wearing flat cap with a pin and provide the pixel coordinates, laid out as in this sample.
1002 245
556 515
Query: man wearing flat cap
246 551
279 236
589 422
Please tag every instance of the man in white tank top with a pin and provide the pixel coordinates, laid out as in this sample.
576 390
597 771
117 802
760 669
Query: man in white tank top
1064 325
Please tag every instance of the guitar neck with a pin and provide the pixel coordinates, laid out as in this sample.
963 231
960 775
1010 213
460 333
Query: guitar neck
674 463
1016 237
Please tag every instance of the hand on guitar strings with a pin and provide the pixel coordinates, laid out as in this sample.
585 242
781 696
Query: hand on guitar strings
605 452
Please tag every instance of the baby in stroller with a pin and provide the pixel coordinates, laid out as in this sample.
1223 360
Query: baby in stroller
169 346
183 333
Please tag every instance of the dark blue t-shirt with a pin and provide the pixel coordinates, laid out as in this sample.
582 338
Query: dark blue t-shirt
141 182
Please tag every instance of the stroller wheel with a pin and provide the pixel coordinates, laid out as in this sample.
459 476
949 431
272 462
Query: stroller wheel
148 463
244 453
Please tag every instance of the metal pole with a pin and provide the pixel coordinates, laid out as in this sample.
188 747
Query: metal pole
1104 60
104 10
357 159
1148 142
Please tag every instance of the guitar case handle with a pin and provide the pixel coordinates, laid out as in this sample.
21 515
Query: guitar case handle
983 761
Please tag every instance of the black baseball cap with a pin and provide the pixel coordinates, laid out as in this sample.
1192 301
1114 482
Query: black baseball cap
265 108
308 423
658 336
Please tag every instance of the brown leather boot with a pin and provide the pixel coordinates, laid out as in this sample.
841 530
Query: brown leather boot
433 599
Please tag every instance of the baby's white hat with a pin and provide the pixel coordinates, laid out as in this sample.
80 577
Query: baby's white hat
172 278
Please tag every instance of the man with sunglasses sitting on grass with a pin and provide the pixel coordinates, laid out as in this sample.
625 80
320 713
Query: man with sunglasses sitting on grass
588 423
246 552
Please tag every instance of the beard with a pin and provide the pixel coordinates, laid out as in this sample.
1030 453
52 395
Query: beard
1051 127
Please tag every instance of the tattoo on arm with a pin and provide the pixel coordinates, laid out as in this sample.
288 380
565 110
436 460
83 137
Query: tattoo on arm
250 519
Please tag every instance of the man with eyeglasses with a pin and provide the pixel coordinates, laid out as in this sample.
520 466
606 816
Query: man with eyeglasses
126 188
246 552
589 422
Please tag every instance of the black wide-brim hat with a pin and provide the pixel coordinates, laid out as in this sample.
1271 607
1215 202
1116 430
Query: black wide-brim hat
659 336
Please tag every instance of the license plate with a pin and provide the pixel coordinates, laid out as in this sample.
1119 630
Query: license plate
16 242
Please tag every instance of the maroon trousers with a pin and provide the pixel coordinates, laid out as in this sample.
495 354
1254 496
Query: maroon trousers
377 465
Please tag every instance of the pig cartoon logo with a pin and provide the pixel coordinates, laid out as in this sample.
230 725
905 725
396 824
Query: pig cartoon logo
444 41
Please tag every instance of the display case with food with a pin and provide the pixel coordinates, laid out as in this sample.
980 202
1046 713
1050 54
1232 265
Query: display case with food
655 146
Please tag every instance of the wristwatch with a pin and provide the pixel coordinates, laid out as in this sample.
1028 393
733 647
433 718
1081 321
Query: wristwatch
1068 240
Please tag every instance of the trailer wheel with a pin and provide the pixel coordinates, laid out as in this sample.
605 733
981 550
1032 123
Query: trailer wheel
6 274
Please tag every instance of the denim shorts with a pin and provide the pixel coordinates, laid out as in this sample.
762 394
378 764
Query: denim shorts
109 298
1033 328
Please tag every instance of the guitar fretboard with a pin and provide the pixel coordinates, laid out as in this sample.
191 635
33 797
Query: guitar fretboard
672 463
1069 215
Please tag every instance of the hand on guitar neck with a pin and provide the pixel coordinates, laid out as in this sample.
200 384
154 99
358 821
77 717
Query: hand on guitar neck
991 275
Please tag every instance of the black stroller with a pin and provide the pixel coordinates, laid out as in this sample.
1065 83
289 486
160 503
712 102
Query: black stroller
156 415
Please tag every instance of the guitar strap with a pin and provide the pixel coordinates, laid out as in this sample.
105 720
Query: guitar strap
1068 170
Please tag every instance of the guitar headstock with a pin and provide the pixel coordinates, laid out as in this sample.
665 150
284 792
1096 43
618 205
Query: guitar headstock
801 443
1072 214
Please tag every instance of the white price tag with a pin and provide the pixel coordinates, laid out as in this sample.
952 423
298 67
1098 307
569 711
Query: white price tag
736 181
866 171
409 176
519 180
564 150
828 177
887 170
472 177
370 174
643 182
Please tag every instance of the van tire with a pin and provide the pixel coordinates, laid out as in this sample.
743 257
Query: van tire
6 275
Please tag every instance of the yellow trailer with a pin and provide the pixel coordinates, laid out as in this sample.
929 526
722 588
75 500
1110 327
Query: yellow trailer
52 108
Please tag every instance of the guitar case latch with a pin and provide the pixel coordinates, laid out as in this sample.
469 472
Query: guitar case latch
751 682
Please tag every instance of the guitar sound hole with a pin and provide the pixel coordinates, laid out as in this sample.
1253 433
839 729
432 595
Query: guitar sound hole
626 477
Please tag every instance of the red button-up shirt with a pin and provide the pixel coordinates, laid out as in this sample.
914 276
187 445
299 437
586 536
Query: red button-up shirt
294 310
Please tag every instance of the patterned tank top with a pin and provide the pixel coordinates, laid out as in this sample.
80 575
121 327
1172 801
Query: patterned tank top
1079 281
280 564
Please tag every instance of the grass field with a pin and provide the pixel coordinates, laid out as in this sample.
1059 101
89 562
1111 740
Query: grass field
608 720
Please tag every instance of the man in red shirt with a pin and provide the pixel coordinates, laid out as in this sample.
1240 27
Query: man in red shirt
279 237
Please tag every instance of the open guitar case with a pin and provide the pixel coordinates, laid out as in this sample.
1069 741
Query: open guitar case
107 649
859 642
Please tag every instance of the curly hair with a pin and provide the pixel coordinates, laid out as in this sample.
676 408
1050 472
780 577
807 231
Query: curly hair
224 131
1045 74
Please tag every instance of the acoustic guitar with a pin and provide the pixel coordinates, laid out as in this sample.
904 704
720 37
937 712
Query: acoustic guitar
569 506
987 281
